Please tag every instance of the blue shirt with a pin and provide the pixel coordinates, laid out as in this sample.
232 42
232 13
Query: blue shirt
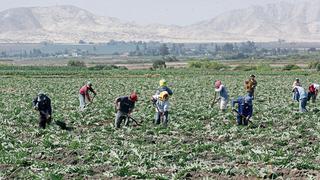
223 92
164 88
303 94
244 109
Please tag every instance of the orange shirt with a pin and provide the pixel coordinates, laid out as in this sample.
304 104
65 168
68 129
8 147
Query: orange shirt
250 85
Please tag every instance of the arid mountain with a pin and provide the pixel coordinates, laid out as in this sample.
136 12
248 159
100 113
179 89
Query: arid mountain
293 22
288 21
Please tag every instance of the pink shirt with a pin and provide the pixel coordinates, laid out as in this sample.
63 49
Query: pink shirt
85 91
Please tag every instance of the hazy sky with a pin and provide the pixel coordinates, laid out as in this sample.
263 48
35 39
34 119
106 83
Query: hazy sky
179 12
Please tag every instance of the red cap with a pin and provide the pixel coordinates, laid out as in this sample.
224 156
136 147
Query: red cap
134 97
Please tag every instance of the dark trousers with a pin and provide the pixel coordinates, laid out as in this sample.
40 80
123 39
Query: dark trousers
312 96
303 104
165 117
43 120
241 120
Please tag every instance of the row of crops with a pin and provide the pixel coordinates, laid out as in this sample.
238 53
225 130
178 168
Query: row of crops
199 142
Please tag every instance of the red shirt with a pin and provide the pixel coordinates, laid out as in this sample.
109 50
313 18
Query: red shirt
312 88
85 91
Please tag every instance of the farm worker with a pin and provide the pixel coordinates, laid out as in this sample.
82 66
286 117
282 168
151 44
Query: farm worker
295 95
296 82
42 103
245 109
224 97
302 99
163 87
250 85
124 106
313 92
84 94
162 107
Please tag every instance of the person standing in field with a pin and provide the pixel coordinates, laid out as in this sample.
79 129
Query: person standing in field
124 106
295 95
303 98
250 85
42 103
313 92
245 109
161 103
223 95
84 94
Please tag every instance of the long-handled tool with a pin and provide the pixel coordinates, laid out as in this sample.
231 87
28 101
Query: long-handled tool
91 100
215 100
138 124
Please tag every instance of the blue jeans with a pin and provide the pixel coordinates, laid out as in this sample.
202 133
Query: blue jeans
82 100
295 96
119 117
312 96
303 104
165 116
241 120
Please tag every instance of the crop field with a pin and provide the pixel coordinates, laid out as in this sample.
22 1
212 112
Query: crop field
199 142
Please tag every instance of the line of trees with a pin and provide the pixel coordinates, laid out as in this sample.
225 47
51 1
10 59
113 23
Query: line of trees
241 50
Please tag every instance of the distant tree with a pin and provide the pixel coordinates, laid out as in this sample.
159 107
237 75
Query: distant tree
228 47
35 52
145 47
137 51
25 54
3 54
75 63
159 64
137 48
164 50
217 48
248 47
312 49
289 67
174 49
